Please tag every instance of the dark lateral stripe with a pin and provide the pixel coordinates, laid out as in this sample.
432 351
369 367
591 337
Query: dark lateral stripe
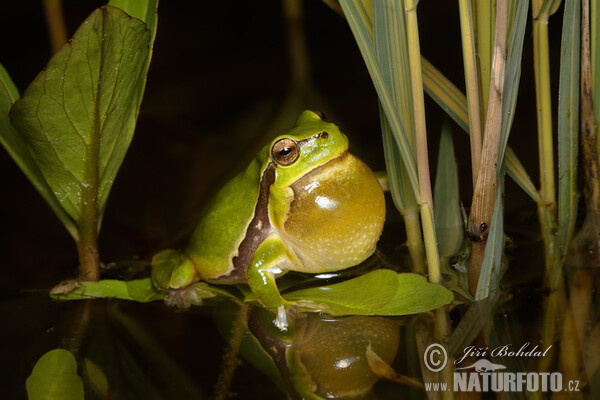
255 233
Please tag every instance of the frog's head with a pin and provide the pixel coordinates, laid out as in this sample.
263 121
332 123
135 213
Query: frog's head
311 143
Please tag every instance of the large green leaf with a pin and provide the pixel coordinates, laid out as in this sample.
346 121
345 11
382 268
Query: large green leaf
78 116
380 292
55 377
17 148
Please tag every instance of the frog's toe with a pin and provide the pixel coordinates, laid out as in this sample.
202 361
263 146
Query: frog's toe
172 269
183 299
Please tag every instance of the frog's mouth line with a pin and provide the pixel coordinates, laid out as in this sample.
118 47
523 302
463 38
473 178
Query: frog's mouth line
317 170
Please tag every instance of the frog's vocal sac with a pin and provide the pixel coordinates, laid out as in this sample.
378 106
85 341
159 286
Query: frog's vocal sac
303 204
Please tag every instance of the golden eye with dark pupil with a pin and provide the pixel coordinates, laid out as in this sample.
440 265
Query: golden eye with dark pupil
285 151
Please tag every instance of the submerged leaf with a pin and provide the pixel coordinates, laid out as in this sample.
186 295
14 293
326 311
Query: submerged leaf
380 292
55 377
77 117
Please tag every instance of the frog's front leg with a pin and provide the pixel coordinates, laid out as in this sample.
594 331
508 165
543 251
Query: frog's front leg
268 260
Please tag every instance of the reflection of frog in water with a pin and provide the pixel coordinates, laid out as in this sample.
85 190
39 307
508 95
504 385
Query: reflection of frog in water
325 357
484 365
303 204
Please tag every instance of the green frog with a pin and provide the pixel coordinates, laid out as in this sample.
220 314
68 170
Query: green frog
303 204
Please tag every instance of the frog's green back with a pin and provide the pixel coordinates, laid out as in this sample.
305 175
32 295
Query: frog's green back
223 224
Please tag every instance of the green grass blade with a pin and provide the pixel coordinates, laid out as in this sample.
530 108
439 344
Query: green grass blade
445 94
454 102
513 72
448 219
389 37
485 23
365 44
16 146
489 277
549 7
517 172
568 123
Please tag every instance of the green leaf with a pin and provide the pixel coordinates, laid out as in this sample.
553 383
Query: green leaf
361 27
17 148
8 85
448 219
145 11
416 295
55 377
380 292
78 116
512 74
454 102
140 290
389 37
568 124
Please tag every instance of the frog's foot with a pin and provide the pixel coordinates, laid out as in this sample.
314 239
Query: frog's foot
184 298
173 273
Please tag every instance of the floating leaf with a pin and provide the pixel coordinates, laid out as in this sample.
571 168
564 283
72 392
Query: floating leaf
141 290
380 292
78 116
55 377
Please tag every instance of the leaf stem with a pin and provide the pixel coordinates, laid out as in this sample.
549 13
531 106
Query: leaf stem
56 24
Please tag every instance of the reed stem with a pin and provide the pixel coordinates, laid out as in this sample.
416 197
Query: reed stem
472 84
484 196
426 198
55 20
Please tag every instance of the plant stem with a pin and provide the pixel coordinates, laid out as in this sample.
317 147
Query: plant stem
298 54
426 198
541 63
588 132
414 240
484 195
230 358
472 84
56 24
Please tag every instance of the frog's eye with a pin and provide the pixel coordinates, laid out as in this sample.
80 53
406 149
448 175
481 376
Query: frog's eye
285 151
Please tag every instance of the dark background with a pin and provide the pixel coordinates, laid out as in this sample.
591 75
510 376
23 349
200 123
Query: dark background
219 77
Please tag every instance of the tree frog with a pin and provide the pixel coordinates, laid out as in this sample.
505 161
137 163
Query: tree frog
303 204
